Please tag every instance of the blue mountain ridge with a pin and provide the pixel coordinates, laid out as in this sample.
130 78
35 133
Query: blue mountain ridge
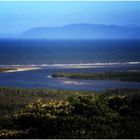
84 31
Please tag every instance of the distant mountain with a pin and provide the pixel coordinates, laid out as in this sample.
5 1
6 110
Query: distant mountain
84 31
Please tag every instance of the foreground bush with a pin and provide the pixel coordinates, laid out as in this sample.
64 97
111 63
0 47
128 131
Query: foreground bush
80 116
13 134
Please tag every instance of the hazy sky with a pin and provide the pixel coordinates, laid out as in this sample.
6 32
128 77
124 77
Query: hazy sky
17 17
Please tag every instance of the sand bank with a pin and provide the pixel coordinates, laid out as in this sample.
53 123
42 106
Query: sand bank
18 69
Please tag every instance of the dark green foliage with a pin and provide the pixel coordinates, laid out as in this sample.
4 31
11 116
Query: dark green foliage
81 115
6 134
13 99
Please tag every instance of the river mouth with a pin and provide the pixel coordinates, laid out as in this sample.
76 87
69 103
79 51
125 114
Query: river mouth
41 78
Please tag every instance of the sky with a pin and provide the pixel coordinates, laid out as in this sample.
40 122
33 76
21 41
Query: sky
17 17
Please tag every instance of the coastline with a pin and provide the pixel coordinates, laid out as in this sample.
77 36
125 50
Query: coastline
121 76
18 69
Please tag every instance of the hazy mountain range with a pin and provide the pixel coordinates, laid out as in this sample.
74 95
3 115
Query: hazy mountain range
83 31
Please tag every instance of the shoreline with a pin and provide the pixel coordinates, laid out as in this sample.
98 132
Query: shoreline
18 69
121 76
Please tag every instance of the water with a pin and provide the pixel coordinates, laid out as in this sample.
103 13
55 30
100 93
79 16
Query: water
68 56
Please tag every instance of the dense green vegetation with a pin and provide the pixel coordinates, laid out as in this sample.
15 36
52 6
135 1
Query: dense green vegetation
124 76
42 113
13 99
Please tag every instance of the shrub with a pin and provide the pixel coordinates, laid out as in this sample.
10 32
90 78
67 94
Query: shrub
4 134
80 116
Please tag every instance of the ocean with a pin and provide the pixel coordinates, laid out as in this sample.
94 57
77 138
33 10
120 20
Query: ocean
53 56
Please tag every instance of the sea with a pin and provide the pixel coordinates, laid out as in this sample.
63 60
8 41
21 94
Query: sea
53 56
